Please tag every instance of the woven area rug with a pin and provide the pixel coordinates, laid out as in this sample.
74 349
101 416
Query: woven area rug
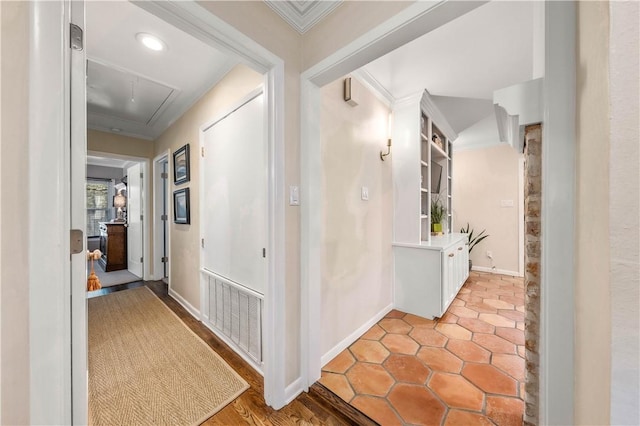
147 368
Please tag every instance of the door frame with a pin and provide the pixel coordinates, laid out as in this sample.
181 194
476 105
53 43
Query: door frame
158 235
558 183
147 273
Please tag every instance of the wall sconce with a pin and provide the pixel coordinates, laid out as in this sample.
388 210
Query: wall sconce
389 134
119 201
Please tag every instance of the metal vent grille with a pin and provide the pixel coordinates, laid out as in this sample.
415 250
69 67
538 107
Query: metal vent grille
237 315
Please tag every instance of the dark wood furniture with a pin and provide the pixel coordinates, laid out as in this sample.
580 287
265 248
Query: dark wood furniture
113 245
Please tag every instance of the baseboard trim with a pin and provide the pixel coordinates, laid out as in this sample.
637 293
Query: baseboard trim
293 390
188 306
345 343
495 271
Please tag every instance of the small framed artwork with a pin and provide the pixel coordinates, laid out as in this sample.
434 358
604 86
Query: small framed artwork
181 165
181 210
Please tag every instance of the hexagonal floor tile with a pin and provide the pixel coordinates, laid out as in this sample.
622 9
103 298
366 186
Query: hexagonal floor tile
370 379
416 404
448 318
338 384
481 307
394 313
417 321
454 331
511 334
505 411
499 304
376 408
394 325
494 343
407 368
428 337
497 320
476 325
490 379
374 333
440 359
465 418
369 351
462 312
456 391
400 344
468 351
510 364
515 300
340 363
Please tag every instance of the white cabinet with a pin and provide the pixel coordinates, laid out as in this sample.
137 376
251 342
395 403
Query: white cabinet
429 275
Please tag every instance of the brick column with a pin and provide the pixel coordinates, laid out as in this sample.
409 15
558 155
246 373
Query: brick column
532 192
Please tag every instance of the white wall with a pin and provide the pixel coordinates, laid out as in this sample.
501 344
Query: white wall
624 216
482 178
185 239
356 243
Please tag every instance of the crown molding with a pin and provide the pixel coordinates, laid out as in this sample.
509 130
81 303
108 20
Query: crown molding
302 14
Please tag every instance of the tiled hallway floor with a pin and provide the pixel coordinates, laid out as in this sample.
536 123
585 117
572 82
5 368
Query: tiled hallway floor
467 368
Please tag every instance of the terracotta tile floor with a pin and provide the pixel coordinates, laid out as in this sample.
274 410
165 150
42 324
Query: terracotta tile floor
467 368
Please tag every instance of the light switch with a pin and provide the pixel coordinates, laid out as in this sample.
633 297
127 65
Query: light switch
294 196
365 193
506 203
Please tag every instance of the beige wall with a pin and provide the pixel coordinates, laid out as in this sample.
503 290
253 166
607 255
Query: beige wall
356 242
14 297
592 289
185 239
119 144
482 178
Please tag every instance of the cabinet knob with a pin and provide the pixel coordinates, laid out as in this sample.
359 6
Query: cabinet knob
450 254
459 248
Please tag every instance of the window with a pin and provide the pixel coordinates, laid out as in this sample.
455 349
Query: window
99 208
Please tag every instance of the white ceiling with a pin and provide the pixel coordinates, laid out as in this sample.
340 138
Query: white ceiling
163 85
463 62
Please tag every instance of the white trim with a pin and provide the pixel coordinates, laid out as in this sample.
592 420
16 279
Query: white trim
302 15
183 302
350 339
158 270
417 19
48 183
200 23
293 390
557 233
374 86
496 271
521 224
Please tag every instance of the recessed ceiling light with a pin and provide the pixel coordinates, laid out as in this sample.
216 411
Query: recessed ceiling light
151 42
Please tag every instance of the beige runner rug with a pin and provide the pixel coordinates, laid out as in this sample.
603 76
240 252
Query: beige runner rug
147 368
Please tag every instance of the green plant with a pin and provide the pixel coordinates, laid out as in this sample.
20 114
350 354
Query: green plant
438 210
473 240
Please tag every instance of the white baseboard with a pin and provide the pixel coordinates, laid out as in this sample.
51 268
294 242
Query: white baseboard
188 306
293 390
495 271
354 336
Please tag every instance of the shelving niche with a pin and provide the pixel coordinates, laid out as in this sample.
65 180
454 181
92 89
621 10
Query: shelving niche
428 270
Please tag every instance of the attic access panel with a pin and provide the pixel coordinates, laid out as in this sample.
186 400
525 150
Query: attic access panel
123 95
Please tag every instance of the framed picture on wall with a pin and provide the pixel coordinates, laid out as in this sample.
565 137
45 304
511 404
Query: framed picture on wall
181 165
181 210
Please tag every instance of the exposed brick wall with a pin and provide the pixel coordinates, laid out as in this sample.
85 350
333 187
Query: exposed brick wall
532 192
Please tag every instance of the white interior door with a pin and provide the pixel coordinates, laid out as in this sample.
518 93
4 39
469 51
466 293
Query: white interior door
134 219
235 194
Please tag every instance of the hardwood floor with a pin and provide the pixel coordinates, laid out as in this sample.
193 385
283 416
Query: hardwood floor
318 407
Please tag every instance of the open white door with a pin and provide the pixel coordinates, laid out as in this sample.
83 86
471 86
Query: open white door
78 208
134 219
